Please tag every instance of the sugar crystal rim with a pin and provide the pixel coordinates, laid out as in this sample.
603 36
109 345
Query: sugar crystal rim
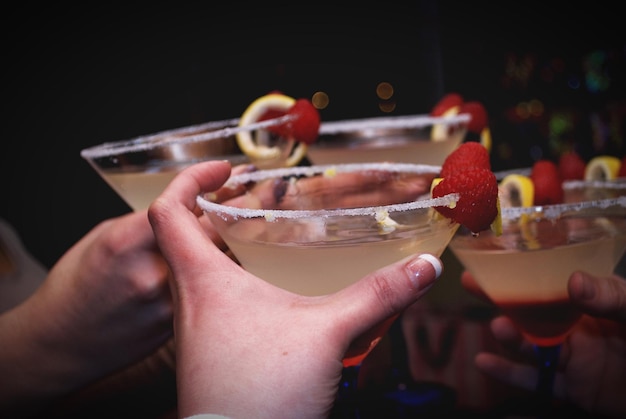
228 127
380 122
270 214
556 210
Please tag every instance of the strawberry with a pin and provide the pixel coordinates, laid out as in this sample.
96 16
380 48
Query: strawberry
449 101
305 128
622 168
547 181
479 119
468 154
477 206
571 166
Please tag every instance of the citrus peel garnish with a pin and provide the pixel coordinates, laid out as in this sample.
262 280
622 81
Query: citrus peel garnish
272 105
602 168
439 132
453 104
516 191
385 223
496 225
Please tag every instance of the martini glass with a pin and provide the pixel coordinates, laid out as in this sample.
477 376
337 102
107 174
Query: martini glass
525 270
139 169
420 139
315 230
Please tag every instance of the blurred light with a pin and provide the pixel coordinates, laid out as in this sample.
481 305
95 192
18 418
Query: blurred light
384 90
560 123
320 100
558 64
596 77
387 106
521 110
573 82
536 107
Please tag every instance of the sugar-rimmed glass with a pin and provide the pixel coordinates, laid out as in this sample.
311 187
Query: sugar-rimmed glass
315 230
138 169
525 270
420 139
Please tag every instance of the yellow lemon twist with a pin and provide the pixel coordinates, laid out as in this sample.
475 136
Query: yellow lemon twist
602 168
252 145
519 191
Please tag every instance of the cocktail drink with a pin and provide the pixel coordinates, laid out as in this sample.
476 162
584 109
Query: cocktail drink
576 190
139 169
315 230
420 139
525 270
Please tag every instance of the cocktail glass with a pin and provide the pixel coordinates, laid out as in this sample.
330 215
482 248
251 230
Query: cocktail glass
577 190
420 139
315 230
525 270
139 169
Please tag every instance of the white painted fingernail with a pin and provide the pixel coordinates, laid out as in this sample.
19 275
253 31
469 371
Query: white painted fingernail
424 274
433 261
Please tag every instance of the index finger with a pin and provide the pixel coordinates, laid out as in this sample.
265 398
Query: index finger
600 297
173 213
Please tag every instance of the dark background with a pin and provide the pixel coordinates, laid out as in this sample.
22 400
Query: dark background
76 77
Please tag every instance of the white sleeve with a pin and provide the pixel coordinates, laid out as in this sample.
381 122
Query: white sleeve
207 416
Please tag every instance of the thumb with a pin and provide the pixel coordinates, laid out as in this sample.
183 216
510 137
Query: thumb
599 297
387 291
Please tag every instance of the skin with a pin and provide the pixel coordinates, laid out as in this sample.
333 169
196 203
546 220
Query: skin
109 291
592 366
246 348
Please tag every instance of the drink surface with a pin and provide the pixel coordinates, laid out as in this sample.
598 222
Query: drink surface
314 230
139 169
406 139
319 269
138 186
400 150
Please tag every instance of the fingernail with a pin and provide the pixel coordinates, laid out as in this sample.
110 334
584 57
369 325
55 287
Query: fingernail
424 269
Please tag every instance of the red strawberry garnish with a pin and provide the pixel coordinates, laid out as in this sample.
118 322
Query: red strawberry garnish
479 119
571 166
466 155
622 168
547 181
477 206
304 128
446 103
271 114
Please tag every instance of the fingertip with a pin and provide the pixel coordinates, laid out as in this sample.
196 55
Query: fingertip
435 262
504 329
424 270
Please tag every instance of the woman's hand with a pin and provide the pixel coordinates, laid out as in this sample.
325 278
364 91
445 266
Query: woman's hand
246 348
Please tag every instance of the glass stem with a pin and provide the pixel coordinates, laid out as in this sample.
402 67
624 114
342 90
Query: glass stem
548 357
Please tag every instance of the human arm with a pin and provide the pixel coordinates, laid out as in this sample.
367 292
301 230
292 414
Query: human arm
103 306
